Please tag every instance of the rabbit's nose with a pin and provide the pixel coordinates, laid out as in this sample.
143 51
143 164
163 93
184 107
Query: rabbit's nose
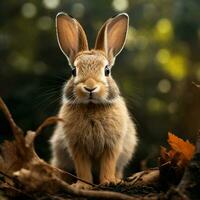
90 89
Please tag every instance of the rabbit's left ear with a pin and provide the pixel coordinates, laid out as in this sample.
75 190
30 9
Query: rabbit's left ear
112 36
71 36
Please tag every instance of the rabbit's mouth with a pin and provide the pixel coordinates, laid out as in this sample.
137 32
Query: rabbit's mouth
92 99
90 96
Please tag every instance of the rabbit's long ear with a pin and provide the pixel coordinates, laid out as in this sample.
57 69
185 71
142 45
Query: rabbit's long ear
112 36
70 35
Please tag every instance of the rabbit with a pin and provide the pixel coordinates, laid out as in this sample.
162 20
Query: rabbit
97 134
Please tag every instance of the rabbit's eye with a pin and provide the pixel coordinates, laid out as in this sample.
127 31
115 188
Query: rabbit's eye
107 70
73 71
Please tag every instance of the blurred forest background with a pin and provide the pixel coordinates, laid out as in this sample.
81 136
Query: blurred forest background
154 71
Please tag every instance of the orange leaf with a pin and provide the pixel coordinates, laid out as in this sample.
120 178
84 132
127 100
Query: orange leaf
183 147
174 161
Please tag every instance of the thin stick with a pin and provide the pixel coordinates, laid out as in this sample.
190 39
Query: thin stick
73 176
80 179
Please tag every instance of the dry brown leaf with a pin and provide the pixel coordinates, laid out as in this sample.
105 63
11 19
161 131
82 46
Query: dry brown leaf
180 153
183 147
174 161
177 158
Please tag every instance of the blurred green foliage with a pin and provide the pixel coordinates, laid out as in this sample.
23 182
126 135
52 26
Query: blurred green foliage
154 71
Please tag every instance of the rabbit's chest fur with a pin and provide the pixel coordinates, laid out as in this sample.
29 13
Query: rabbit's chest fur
93 128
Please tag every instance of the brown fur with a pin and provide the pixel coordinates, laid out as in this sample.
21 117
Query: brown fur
97 133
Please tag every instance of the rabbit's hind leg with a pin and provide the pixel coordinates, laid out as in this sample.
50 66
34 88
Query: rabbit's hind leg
60 155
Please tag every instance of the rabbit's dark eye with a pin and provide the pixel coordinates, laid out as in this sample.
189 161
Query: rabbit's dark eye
107 70
73 71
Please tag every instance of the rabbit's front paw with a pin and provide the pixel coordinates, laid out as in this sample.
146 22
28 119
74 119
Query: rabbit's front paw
81 185
108 181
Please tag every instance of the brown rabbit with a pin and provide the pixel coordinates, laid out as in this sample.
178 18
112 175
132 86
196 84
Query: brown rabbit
97 133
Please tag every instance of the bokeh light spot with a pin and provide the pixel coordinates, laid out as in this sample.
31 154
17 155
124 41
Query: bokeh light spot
163 30
120 5
29 10
78 10
51 4
155 105
164 26
176 67
164 86
163 56
44 23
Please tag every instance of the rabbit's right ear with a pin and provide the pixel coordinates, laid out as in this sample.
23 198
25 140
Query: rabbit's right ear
112 36
70 35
